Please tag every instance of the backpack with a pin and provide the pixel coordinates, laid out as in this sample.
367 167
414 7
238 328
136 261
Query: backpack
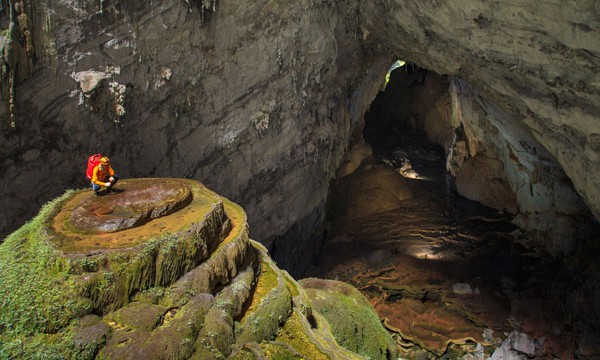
93 161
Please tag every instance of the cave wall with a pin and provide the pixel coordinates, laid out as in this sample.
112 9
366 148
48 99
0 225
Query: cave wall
259 99
498 162
538 60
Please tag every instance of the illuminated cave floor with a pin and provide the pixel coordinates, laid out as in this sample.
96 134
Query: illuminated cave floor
413 251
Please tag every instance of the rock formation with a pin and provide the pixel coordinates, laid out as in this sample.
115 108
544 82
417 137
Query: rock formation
186 284
259 100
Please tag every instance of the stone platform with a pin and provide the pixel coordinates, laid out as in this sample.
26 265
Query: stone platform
87 223
131 204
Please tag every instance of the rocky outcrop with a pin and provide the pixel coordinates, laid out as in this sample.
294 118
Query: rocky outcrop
188 284
141 202
498 162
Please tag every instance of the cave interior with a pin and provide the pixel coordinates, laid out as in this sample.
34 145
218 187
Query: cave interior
398 229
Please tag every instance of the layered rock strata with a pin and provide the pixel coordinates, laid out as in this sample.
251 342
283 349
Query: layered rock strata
188 284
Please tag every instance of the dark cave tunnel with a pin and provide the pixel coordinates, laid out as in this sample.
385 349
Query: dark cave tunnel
398 230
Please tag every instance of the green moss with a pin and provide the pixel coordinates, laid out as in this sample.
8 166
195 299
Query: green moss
294 334
138 315
38 298
291 285
36 294
269 306
277 351
267 281
354 323
243 354
40 347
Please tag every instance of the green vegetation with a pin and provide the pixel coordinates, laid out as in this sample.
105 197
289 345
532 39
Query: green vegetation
28 261
294 333
354 323
269 306
134 300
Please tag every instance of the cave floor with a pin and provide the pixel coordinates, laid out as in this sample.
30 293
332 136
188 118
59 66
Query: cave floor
445 274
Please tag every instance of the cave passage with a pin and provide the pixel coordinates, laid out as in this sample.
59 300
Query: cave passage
445 273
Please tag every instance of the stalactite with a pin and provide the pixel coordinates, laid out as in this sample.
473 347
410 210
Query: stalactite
17 54
207 8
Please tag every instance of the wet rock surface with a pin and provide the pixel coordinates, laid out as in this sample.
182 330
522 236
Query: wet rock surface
130 204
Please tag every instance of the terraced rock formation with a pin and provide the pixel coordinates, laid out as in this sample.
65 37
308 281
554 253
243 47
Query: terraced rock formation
184 283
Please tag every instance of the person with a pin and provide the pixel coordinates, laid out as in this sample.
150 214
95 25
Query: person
103 175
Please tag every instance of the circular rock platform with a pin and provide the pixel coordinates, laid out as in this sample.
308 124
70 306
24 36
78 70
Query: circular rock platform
131 204
141 209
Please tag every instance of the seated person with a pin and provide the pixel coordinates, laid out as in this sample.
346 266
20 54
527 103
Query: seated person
103 175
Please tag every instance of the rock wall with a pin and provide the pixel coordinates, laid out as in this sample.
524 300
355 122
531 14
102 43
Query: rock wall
259 99
503 166
188 284
256 99
539 60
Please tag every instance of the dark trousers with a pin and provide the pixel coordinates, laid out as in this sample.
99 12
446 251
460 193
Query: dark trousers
96 187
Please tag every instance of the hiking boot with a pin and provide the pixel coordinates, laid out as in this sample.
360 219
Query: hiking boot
96 193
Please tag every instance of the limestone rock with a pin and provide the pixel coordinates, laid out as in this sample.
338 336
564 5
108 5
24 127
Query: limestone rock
186 284
517 346
89 80
462 289
135 203
321 64
480 179
354 325
378 188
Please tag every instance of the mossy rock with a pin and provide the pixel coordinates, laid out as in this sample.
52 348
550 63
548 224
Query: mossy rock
217 336
173 337
134 203
231 254
312 338
138 315
354 323
187 285
269 306
53 273
37 293
109 267
266 350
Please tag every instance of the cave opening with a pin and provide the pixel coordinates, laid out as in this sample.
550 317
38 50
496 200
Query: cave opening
449 276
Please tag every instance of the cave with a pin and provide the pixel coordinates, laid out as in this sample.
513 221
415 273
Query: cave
275 106
428 251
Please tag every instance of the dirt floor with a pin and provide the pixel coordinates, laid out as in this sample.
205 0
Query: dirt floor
445 274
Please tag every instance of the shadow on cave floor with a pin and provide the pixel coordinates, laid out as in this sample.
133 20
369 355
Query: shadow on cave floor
443 272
